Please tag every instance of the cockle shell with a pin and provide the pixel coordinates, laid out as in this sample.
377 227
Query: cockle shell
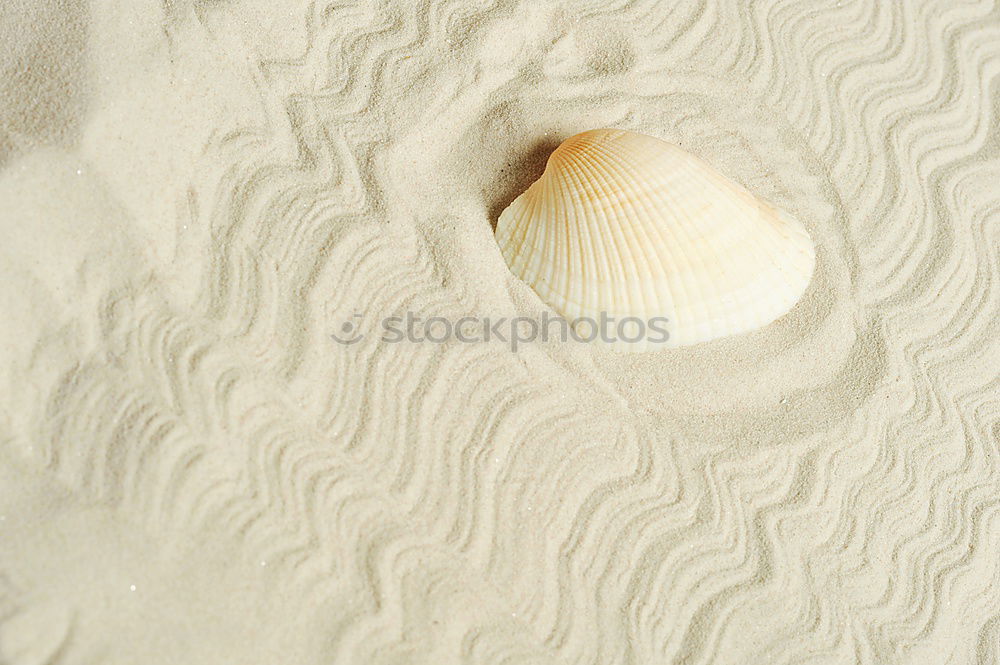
632 226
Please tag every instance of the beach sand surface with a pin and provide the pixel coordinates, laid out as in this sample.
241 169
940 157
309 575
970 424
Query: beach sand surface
195 196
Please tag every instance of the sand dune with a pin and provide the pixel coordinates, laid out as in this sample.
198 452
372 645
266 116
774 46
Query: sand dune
194 196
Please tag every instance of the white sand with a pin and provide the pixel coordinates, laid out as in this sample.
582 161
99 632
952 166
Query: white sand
195 195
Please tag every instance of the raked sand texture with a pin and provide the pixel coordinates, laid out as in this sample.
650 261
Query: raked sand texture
195 195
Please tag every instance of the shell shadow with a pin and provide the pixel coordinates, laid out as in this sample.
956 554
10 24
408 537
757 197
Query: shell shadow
522 169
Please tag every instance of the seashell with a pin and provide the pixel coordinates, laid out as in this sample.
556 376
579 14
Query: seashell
632 226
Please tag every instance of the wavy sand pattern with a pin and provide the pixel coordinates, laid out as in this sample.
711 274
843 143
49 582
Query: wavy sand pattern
191 470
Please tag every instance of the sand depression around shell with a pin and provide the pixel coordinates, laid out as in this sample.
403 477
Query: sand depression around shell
195 196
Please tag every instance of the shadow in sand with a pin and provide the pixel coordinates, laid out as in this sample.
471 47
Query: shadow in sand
517 175
44 75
